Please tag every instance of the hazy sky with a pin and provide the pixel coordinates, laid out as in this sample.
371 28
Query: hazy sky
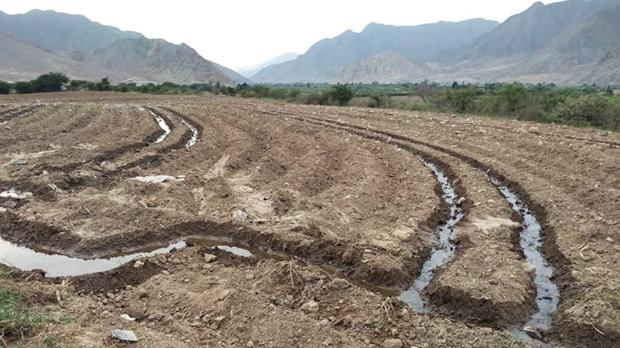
245 32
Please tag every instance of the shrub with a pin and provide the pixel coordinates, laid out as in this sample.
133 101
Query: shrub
5 87
512 96
52 82
341 94
104 84
458 99
595 110
23 87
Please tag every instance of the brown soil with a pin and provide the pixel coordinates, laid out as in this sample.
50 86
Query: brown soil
340 211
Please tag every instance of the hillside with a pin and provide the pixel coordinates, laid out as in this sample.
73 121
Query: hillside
148 60
38 42
533 29
60 32
576 36
569 42
326 59
388 67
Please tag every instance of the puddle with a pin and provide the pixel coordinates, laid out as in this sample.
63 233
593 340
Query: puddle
235 250
443 252
194 138
14 194
56 265
547 293
163 125
158 179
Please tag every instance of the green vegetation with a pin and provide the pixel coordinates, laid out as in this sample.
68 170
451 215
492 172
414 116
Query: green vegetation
15 319
585 106
5 87
589 106
52 82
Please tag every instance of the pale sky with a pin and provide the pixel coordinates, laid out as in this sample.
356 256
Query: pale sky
246 32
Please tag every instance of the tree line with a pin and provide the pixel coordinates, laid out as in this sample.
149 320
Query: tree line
588 105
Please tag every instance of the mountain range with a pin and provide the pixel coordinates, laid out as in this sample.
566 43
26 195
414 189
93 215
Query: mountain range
38 42
570 42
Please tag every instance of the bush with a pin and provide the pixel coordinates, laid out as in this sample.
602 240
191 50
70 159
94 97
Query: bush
5 87
23 87
52 82
79 85
341 94
512 96
457 99
585 110
104 84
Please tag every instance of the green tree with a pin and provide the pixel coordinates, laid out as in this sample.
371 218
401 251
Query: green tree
609 91
5 87
513 96
459 99
104 84
23 87
341 94
52 82
589 110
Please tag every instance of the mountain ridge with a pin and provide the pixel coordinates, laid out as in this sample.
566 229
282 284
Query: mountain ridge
328 57
559 42
38 42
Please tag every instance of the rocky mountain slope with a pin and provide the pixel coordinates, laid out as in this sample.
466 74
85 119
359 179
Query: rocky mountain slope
326 59
148 60
569 42
38 42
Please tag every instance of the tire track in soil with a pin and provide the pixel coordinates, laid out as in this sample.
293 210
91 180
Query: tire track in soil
164 124
272 168
109 179
10 110
611 143
343 258
444 215
110 155
449 215
20 112
37 126
517 197
412 264
77 183
194 133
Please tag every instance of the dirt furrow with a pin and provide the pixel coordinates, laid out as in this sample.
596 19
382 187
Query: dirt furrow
456 290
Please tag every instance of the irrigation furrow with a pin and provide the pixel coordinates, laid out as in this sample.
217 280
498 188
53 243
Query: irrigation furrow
195 130
163 123
451 215
20 112
446 248
547 293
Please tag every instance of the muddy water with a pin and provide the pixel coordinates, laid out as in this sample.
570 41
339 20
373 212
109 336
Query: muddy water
163 125
194 130
443 252
547 293
235 250
56 265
